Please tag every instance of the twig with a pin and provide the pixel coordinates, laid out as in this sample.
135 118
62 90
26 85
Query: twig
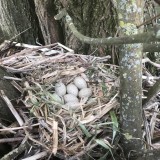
146 22
17 86
70 50
37 156
150 77
14 153
36 141
42 48
12 78
8 140
19 34
55 137
18 128
149 61
153 91
8 131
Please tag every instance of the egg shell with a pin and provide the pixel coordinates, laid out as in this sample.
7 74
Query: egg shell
85 92
72 105
60 89
72 89
80 82
70 98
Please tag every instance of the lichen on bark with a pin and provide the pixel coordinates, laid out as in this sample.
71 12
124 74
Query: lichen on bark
130 14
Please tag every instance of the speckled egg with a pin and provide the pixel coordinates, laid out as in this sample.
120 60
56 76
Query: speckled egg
85 92
70 98
60 89
72 89
80 82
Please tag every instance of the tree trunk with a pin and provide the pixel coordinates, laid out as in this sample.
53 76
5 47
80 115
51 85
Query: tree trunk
51 29
93 18
130 14
17 16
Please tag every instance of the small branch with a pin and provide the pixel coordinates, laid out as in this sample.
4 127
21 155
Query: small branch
152 92
139 38
149 61
19 34
14 153
12 78
9 140
151 47
18 128
150 78
6 132
36 156
149 21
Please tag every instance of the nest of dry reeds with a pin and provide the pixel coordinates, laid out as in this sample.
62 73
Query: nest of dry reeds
65 132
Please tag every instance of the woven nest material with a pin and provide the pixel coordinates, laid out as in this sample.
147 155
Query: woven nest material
65 131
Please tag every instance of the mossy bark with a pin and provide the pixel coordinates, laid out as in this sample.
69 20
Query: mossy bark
130 14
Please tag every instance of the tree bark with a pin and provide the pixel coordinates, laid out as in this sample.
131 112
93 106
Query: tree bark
17 16
51 29
130 13
92 18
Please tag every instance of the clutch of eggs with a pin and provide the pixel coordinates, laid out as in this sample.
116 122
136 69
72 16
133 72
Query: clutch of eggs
72 92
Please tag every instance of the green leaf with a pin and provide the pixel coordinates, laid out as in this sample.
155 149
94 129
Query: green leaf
115 124
102 143
104 88
106 146
85 131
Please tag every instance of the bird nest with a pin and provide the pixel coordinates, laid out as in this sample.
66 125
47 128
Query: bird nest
65 131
